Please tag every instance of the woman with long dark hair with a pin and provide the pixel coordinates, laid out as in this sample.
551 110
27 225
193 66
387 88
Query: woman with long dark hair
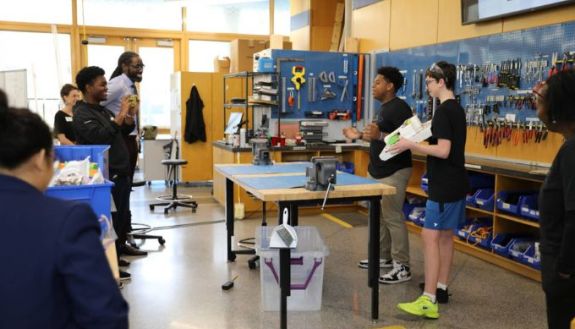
555 101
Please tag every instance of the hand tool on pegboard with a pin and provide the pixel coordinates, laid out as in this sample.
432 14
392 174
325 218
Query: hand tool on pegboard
359 100
290 98
553 69
284 95
298 79
517 134
344 91
420 90
413 82
404 73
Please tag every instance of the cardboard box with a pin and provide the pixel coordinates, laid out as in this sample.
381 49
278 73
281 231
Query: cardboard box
222 64
242 52
277 42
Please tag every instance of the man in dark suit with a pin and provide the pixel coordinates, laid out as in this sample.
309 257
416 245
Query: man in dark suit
54 271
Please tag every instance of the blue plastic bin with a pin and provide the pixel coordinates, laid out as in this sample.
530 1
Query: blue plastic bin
410 203
509 201
484 242
501 243
518 247
528 258
345 166
472 224
484 199
98 196
417 215
424 182
529 207
97 154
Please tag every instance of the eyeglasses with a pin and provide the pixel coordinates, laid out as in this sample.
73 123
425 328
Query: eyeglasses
537 89
137 66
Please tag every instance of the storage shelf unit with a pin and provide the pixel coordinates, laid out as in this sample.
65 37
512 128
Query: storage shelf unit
488 256
505 180
248 82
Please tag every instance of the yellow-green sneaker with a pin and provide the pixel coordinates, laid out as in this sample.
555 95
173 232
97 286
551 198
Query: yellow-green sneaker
422 306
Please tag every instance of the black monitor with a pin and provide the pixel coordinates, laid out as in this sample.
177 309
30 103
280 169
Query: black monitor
473 11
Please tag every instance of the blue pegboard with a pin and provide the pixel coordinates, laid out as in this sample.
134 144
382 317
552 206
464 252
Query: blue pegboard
315 63
524 44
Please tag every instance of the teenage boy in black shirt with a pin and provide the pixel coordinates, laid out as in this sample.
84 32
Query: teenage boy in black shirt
448 185
394 241
555 100
95 124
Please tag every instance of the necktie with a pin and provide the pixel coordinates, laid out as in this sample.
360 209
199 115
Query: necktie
137 117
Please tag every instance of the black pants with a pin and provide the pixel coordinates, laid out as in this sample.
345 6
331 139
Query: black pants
559 294
132 145
121 196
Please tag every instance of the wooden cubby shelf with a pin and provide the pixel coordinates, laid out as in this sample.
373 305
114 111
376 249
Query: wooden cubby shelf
507 177
518 220
488 256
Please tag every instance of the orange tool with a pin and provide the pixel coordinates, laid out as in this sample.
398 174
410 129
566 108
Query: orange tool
359 88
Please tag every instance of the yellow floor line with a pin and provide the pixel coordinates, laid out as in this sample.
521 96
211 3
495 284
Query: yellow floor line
392 327
337 220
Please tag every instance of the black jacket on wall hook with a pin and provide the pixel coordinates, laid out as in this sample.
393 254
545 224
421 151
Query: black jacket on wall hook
195 127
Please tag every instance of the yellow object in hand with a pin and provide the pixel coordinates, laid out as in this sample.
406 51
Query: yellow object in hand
133 100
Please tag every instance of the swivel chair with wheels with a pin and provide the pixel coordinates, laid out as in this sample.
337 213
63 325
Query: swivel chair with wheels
174 200
139 231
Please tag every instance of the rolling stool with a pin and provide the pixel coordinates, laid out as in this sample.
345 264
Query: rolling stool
140 232
175 200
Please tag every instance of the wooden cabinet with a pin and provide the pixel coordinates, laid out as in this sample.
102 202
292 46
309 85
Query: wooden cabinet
511 178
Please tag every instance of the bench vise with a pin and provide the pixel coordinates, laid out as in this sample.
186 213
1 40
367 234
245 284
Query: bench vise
321 176
260 152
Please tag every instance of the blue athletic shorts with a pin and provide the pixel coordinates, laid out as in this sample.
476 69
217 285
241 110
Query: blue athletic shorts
445 215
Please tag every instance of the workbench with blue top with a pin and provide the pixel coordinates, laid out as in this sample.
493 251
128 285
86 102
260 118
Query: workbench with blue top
283 183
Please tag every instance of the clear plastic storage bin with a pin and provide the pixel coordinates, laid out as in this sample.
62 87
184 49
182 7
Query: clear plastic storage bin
307 267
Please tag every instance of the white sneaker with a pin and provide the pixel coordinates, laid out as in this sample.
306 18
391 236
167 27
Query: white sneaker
399 273
383 263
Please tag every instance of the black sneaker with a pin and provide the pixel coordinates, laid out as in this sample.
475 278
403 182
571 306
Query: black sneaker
383 263
125 276
128 250
123 262
441 295
399 273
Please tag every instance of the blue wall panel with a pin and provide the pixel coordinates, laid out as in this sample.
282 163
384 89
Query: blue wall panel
341 64
525 44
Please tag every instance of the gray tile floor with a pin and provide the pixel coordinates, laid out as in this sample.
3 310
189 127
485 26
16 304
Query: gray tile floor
179 286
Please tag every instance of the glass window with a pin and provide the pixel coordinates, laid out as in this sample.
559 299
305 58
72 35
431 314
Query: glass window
282 17
167 15
37 11
202 54
238 16
46 58
105 57
155 86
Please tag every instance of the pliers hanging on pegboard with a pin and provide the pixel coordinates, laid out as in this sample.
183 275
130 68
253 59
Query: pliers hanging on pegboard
516 135
487 134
